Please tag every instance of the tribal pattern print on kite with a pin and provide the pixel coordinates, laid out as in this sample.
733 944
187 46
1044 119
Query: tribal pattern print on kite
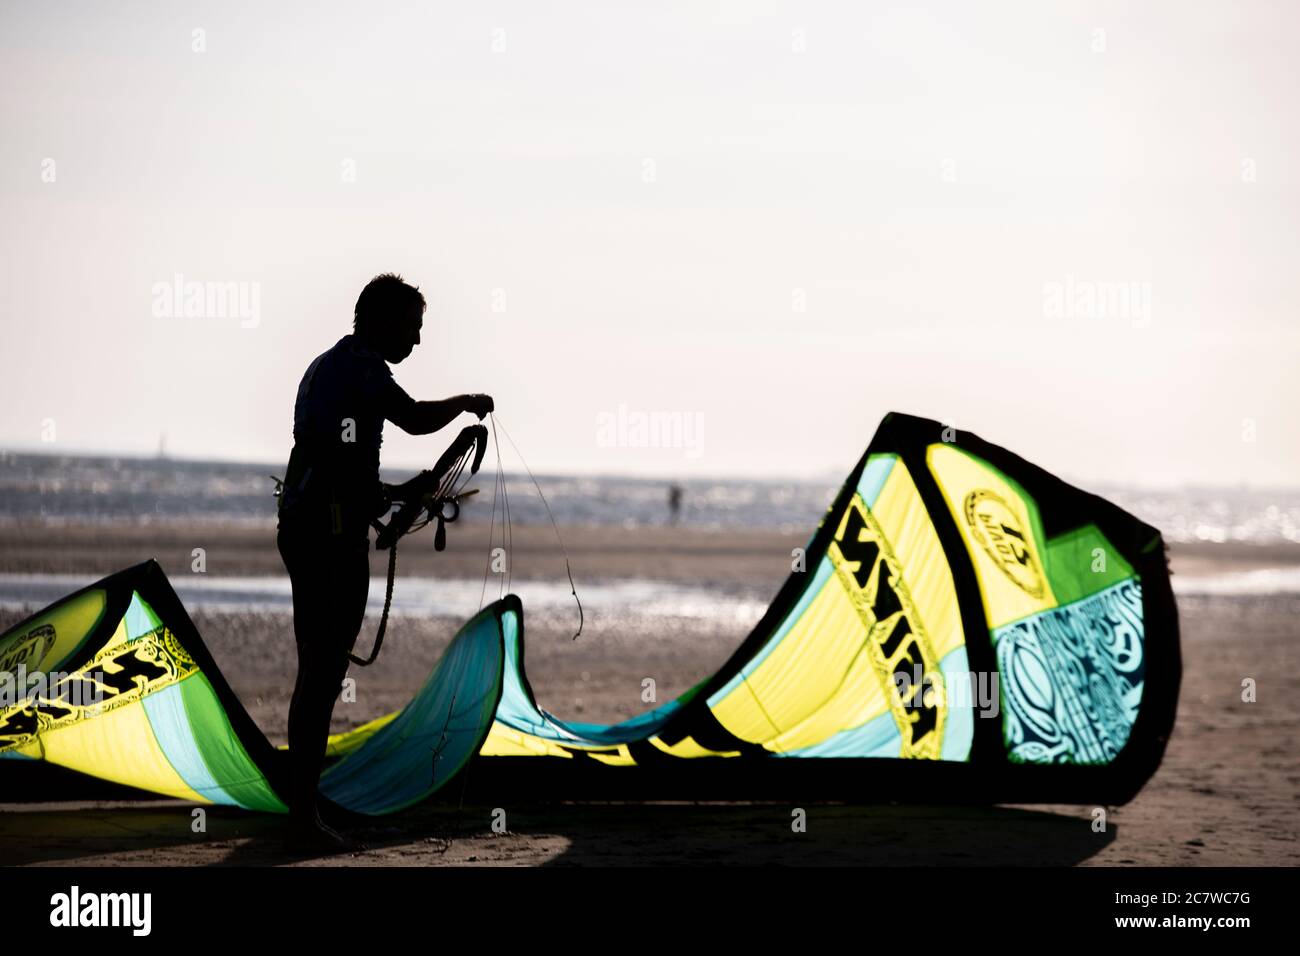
1072 678
1065 615
967 628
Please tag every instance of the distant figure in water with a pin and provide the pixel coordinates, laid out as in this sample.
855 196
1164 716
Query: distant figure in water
674 503
332 493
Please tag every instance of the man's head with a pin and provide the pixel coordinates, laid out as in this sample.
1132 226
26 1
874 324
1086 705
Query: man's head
388 316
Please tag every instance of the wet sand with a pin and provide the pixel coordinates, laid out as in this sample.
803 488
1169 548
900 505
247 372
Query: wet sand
1227 793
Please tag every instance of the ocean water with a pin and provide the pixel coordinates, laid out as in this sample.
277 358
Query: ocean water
90 488
59 487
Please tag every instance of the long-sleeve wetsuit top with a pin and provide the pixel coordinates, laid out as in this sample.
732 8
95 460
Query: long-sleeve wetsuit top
332 485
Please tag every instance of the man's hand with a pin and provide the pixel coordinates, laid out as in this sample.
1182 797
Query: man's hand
480 405
404 492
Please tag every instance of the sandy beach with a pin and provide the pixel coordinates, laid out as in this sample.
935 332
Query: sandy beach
1227 792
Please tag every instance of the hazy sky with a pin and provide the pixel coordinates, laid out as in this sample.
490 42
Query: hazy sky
1070 227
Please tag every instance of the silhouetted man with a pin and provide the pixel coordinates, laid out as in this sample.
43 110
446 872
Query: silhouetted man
332 493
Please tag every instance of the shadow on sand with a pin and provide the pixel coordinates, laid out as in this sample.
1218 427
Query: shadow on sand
621 834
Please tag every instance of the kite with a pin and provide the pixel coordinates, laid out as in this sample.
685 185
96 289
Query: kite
961 627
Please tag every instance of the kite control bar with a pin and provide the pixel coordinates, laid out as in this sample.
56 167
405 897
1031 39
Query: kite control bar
425 498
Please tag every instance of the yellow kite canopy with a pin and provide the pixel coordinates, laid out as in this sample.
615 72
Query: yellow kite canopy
963 626
115 682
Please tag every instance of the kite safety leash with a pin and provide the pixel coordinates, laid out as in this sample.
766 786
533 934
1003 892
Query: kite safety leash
383 620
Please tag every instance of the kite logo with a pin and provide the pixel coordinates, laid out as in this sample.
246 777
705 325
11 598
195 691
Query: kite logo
896 642
118 675
998 530
29 651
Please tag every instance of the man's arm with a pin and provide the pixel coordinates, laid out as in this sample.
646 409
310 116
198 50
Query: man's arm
423 418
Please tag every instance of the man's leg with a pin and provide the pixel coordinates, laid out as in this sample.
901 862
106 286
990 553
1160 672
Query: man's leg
330 587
